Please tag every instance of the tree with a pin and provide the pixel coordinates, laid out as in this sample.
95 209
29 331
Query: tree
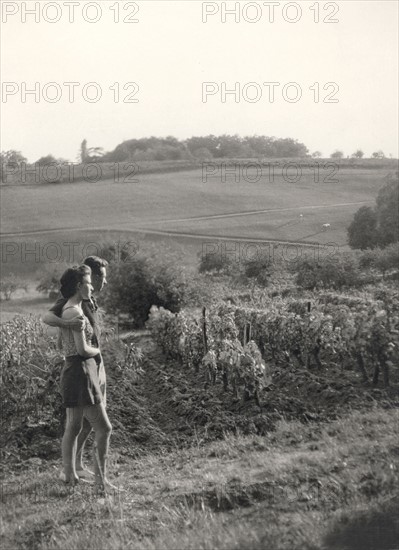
358 154
340 271
50 276
316 154
10 284
290 148
94 153
379 154
83 151
379 226
210 142
140 282
262 146
43 161
362 232
229 146
12 157
387 211
202 153
337 155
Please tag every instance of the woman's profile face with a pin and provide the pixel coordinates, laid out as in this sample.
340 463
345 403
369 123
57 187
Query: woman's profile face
86 287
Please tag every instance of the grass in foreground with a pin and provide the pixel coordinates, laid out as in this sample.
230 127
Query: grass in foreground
330 486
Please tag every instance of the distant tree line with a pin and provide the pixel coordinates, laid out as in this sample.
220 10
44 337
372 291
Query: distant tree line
195 148
205 148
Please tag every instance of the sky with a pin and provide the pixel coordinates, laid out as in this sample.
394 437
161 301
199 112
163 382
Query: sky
337 78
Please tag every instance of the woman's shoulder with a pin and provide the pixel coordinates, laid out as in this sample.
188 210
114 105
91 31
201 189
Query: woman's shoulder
70 312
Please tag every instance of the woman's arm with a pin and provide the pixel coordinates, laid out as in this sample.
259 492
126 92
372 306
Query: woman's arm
82 346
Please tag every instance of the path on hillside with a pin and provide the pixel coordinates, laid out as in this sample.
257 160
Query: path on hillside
257 212
202 237
140 228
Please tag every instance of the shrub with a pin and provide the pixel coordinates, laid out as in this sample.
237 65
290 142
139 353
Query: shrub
379 226
215 261
383 259
49 282
362 232
140 282
334 272
9 285
387 211
389 258
258 269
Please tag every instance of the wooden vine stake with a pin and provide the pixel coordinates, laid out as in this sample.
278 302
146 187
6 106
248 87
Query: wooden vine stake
210 376
204 335
308 357
247 333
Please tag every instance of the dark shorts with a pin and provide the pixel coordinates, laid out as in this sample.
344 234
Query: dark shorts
79 385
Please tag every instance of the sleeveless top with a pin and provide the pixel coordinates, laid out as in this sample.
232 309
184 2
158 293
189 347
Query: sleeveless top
68 342
90 310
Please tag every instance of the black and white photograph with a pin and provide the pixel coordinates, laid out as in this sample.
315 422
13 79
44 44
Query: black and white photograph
199 286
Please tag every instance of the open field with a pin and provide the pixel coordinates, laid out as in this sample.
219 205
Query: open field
158 199
243 204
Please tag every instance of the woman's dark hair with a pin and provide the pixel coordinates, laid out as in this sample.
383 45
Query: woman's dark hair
95 263
71 278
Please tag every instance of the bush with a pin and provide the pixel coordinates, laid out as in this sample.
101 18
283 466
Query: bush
387 211
341 271
49 282
9 285
215 261
362 232
379 226
383 259
259 270
141 282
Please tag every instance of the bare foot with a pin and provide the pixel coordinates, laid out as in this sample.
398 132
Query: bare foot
69 481
107 486
85 474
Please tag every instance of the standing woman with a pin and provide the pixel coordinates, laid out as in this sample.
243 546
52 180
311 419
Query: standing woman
92 312
80 387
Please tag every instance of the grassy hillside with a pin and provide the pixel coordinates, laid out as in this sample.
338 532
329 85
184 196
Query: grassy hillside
302 487
173 204
159 198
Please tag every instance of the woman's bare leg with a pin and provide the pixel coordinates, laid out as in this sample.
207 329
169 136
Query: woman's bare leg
82 438
98 418
74 417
